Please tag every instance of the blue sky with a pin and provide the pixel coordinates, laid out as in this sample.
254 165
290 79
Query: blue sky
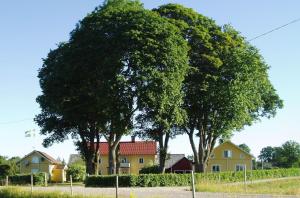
29 29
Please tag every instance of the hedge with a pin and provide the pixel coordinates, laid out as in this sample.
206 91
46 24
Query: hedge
152 180
24 179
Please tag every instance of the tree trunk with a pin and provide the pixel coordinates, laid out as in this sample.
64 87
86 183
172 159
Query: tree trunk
163 149
112 159
90 168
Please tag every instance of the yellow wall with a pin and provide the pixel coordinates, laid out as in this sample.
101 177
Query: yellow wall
42 166
26 167
229 164
135 166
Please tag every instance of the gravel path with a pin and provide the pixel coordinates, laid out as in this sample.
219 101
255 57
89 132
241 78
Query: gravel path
154 192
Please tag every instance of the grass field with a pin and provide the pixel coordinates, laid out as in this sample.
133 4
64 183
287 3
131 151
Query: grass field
14 192
280 187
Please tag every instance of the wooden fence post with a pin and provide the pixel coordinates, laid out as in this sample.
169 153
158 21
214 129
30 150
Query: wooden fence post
6 181
31 183
245 177
46 181
117 185
71 185
193 184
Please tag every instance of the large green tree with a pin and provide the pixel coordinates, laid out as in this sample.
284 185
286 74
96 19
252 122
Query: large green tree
119 59
227 86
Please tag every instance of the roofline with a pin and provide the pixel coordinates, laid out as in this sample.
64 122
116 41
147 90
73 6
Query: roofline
228 141
40 153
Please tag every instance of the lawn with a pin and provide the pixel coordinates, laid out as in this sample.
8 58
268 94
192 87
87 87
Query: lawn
280 187
14 192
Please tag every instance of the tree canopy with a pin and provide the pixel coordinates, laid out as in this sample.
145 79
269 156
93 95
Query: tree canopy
227 86
121 58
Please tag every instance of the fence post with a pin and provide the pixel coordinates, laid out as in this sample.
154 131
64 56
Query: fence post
46 181
6 181
193 184
71 185
31 183
117 185
219 178
245 177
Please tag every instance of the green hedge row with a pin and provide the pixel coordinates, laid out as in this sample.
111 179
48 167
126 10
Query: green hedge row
25 179
151 180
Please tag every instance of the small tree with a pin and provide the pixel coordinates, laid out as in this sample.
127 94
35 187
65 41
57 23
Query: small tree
4 170
77 171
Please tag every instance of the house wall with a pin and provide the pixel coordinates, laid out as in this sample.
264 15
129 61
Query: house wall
135 166
229 164
42 166
182 166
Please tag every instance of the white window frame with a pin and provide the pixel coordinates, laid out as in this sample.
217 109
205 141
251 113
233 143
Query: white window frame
141 160
229 153
239 167
35 160
215 165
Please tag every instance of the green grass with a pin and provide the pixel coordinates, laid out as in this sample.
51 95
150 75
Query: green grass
280 187
14 192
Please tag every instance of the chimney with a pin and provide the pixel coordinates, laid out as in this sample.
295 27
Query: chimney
133 138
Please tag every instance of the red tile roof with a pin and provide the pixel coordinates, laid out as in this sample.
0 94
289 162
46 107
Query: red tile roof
132 148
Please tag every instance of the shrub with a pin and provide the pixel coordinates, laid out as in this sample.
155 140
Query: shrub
77 171
4 170
150 170
25 179
151 180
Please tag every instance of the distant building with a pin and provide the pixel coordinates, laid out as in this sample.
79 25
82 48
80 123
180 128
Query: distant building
37 162
229 157
178 163
133 156
75 158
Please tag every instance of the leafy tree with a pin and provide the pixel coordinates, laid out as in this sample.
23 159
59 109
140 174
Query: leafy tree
77 171
227 86
245 147
288 155
267 154
121 58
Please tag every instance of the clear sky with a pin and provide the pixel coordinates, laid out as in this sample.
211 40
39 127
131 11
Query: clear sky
29 29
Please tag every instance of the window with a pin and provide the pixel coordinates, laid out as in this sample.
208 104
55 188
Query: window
227 153
35 160
240 167
141 160
242 156
124 160
34 170
215 168
26 162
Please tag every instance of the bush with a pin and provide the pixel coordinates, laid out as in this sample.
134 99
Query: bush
77 171
4 170
152 180
25 179
150 170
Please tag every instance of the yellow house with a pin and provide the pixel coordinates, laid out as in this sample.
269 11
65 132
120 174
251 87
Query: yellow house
133 156
37 162
229 157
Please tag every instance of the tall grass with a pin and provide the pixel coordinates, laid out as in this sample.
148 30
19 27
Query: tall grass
14 192
280 187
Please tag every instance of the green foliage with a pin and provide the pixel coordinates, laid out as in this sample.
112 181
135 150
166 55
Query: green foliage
77 171
4 170
25 179
150 170
227 86
152 180
285 156
12 163
245 147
